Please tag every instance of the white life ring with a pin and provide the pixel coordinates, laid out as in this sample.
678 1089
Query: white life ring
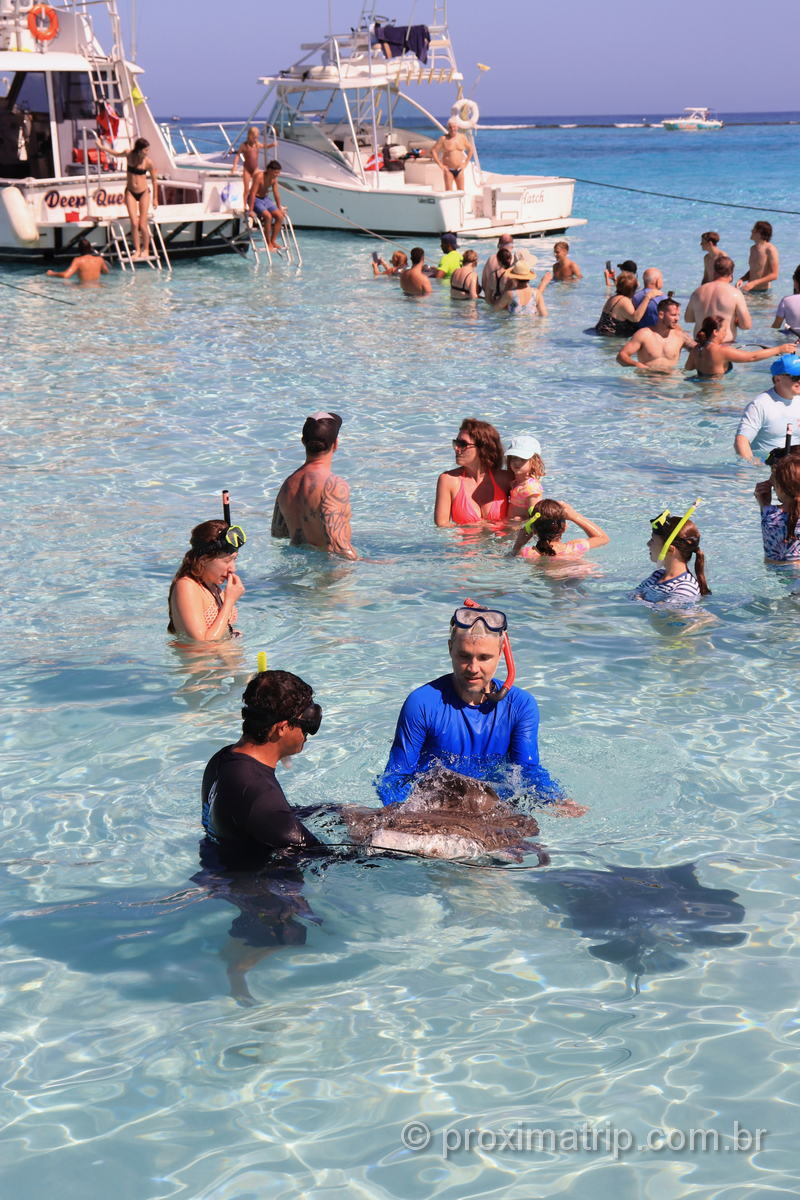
465 113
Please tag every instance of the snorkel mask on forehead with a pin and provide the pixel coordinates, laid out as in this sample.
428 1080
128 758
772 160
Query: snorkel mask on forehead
229 541
495 621
657 524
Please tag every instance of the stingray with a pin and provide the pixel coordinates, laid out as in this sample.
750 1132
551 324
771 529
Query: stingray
446 815
644 919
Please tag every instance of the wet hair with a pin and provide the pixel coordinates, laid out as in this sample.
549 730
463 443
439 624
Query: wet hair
796 278
205 544
710 325
139 147
469 256
558 245
786 474
280 695
399 258
686 544
626 283
712 236
764 230
417 255
274 165
86 247
723 265
505 257
487 442
319 433
667 302
550 526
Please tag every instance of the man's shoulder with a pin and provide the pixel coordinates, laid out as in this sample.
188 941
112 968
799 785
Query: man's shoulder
522 701
433 693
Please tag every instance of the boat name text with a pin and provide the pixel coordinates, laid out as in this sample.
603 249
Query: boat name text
531 197
101 198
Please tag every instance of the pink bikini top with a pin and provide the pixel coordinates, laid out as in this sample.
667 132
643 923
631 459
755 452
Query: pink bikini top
464 510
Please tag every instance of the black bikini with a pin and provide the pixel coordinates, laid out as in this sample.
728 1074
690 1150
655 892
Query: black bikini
136 171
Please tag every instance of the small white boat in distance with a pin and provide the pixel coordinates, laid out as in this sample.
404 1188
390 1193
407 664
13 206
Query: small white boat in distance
354 140
694 120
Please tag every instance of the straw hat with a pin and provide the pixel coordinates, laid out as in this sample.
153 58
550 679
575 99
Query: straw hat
520 271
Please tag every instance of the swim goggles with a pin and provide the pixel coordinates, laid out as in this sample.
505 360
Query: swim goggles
309 719
466 616
227 542
658 523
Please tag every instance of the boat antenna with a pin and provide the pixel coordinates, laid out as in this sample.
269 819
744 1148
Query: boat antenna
133 31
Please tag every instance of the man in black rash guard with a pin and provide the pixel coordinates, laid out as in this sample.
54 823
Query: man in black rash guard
245 813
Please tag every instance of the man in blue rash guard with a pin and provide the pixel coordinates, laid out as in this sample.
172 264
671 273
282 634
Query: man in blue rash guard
455 721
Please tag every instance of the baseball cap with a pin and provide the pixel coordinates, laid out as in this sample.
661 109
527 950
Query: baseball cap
449 239
628 265
787 364
523 445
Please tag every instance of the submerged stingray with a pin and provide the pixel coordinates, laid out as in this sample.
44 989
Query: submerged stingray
644 919
446 815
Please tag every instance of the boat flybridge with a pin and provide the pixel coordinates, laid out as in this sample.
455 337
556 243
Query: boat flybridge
354 139
694 120
69 112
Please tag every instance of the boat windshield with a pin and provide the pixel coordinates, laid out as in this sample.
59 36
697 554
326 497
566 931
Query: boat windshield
299 117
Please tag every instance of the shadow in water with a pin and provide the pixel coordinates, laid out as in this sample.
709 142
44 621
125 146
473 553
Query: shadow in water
646 920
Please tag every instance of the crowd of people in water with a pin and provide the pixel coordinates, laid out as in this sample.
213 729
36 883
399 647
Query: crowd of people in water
469 720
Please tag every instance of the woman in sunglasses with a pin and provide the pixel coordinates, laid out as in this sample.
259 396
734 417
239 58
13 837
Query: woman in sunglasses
477 488
199 608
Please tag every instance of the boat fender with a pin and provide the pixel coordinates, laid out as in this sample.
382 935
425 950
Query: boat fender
43 22
465 113
19 216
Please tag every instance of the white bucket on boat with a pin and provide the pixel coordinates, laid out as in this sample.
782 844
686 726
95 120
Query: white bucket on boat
20 217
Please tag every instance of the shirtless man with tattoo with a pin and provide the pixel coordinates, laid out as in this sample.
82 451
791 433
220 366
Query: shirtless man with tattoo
658 348
313 505
452 152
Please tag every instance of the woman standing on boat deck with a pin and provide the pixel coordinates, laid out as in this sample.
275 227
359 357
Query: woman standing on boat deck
477 489
198 607
137 195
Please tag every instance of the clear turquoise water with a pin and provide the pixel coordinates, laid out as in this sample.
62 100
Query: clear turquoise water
424 991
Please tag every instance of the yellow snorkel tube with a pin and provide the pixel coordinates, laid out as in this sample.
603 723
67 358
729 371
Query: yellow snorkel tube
660 520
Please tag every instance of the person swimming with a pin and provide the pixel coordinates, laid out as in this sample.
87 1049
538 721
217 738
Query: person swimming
548 520
199 608
673 541
712 358
524 461
477 488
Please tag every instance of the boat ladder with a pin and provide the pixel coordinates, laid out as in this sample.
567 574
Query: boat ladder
253 238
120 248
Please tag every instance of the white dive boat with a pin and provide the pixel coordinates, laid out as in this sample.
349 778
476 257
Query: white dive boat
694 119
68 113
354 140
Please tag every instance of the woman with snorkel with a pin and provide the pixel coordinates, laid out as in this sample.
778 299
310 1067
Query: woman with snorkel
779 531
203 594
673 541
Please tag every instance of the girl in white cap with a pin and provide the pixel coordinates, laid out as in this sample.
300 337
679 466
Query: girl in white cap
524 460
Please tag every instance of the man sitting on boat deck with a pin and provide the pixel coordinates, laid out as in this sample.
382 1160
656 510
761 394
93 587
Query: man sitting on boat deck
267 208
452 152
313 504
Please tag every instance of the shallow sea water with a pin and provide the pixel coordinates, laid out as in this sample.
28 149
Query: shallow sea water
645 980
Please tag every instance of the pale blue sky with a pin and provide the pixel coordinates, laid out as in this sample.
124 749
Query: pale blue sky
203 57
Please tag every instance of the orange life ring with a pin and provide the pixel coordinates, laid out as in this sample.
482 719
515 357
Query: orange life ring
43 12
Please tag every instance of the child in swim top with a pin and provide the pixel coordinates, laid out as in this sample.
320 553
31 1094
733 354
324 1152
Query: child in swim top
779 521
548 522
524 460
672 582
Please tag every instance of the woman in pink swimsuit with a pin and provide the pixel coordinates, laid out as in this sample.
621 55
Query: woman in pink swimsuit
198 607
477 489
548 525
